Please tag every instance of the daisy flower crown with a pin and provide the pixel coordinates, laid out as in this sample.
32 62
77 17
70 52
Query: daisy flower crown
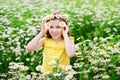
55 16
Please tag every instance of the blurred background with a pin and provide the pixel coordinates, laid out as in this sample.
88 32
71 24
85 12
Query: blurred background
95 25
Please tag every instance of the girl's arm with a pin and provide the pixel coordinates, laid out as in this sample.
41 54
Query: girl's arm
38 41
69 44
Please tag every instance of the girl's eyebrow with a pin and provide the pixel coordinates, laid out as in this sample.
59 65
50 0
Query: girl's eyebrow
57 26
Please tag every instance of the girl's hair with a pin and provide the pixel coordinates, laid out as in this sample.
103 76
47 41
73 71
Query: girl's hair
55 18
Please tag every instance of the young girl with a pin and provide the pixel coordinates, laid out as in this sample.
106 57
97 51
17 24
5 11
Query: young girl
55 39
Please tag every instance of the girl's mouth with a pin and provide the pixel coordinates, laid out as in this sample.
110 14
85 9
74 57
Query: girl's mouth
54 34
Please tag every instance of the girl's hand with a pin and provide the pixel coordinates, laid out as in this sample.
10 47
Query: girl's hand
65 30
43 29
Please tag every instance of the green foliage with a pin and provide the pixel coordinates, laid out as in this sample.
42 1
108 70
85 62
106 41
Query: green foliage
94 24
98 58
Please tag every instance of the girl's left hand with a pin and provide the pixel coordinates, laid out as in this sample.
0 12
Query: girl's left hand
65 30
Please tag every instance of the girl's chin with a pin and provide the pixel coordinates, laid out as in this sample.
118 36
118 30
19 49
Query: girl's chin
55 37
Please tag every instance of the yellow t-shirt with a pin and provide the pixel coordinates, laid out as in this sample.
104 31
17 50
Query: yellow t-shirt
53 50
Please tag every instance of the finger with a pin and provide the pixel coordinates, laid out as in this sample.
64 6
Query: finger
45 30
43 24
67 28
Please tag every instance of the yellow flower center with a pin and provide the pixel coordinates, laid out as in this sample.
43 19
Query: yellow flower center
47 25
62 24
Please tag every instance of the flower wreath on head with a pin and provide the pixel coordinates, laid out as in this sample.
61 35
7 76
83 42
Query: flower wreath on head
57 16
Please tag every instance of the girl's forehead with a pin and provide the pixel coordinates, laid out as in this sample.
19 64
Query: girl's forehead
54 22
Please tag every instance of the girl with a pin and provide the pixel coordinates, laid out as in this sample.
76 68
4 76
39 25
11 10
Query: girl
55 39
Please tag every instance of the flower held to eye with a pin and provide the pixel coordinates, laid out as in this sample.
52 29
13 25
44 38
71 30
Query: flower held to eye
47 25
62 24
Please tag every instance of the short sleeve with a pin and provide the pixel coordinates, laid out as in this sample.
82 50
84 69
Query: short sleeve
71 38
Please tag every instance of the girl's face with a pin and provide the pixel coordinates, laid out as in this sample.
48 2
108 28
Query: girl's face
55 30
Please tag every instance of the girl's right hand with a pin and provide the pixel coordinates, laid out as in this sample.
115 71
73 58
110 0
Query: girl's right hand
43 29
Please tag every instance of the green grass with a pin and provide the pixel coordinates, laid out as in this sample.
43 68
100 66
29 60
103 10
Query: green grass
95 24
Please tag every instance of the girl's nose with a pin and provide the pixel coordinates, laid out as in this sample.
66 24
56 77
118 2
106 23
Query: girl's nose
54 29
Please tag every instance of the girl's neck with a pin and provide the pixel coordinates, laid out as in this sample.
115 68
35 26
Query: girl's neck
58 40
